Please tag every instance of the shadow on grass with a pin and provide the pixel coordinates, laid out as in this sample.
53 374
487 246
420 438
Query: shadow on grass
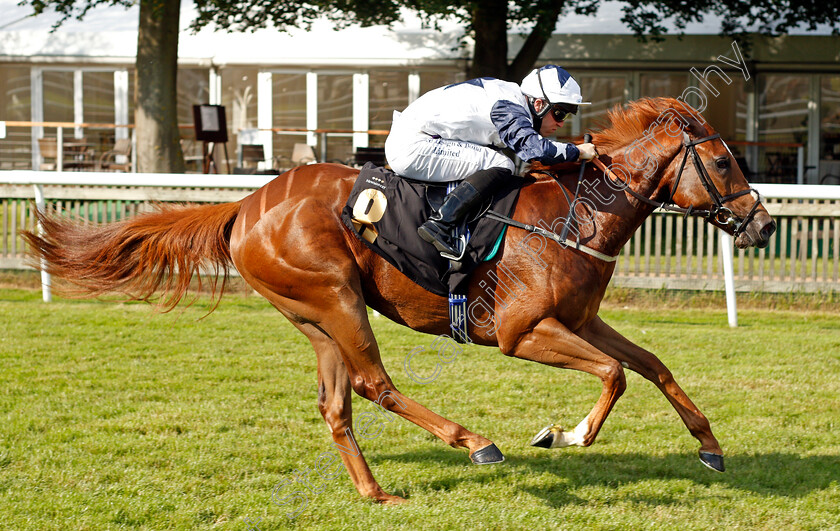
777 474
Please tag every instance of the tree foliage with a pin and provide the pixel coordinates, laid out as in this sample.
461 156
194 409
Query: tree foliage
487 22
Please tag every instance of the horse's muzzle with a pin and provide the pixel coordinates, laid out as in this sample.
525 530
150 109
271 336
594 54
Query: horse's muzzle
758 232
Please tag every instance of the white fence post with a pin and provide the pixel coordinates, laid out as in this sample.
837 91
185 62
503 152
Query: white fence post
725 248
41 205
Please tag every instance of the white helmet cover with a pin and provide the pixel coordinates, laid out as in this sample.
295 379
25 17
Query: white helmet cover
553 84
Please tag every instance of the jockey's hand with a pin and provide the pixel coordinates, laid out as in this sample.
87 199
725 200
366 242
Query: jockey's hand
587 151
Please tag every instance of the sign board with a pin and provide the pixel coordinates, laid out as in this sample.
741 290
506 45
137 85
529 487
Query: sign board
2 129
210 123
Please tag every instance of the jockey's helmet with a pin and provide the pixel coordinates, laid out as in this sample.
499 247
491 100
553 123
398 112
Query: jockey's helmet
554 85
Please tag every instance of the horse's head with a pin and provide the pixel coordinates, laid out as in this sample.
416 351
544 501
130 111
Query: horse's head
688 165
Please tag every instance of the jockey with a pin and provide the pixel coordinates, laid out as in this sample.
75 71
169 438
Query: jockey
454 133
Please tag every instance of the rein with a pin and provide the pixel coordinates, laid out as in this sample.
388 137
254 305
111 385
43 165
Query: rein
718 212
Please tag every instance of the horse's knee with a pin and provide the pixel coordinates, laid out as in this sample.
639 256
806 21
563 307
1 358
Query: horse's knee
614 378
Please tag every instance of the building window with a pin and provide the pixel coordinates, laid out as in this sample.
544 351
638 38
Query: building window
388 92
830 130
663 85
605 92
335 111
193 89
288 112
15 102
98 107
58 96
430 80
783 121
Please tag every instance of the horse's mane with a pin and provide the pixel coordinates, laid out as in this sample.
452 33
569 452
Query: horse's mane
625 124
629 122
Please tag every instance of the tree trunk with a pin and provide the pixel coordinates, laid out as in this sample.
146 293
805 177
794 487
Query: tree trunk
534 44
156 107
489 22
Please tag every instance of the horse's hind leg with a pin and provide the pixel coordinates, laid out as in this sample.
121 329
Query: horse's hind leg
335 405
649 366
348 326
315 283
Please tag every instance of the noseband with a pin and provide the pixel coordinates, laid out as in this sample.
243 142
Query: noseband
718 212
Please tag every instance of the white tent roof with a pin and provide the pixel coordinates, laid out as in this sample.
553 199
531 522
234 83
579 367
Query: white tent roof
112 32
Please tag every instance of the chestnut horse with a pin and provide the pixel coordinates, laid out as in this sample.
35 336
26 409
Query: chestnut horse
289 243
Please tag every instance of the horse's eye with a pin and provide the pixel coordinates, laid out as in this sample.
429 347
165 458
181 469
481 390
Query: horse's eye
722 163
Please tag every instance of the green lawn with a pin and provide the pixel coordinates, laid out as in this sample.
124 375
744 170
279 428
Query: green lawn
115 417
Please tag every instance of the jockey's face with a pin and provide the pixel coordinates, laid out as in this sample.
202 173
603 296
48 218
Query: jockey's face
549 122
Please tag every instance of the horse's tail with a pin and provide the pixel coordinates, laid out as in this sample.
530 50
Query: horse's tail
154 252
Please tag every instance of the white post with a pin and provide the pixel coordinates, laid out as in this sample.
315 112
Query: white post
312 108
78 103
36 114
40 204
361 120
725 248
121 90
413 86
265 116
59 148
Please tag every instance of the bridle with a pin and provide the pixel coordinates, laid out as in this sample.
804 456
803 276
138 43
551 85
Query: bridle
718 212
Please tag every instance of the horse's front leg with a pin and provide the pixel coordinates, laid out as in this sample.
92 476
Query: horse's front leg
551 343
648 365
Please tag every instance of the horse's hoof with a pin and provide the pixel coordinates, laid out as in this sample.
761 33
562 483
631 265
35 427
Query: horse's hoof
713 461
544 438
487 455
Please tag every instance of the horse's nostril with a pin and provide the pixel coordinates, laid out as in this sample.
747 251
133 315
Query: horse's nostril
768 230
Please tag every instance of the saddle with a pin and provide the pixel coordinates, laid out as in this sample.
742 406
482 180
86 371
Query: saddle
384 211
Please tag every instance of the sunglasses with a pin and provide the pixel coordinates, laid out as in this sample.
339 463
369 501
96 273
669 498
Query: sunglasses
561 112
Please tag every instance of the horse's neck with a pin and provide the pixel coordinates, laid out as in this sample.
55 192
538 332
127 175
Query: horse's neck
619 215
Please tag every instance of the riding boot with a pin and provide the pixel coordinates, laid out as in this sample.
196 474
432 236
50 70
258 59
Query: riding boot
460 202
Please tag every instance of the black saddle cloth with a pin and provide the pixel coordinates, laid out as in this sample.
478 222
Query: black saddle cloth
384 211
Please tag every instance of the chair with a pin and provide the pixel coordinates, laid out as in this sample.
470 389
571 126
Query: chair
303 154
49 149
252 155
375 155
109 161
79 155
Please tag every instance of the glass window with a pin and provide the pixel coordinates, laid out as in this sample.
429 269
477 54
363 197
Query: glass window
335 111
388 92
98 107
15 101
288 112
830 130
98 90
193 89
438 78
782 120
604 93
663 85
58 96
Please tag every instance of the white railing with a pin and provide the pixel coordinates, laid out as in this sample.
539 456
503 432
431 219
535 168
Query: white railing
769 191
194 187
38 179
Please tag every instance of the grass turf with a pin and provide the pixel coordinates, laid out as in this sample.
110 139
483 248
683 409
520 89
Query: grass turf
113 417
